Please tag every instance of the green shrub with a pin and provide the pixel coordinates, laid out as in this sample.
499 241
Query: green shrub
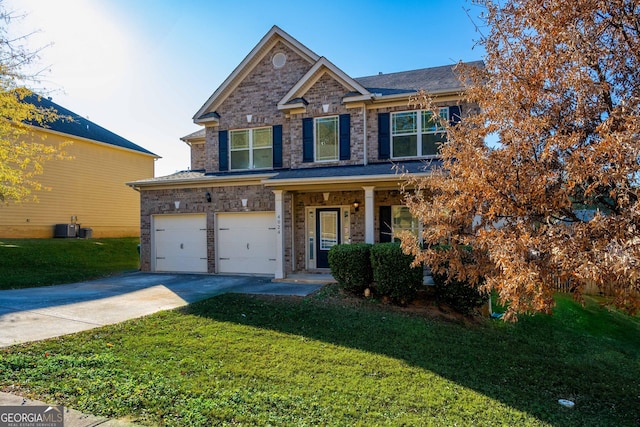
393 275
458 294
351 266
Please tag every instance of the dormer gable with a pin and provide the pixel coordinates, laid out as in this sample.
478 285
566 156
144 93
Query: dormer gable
207 113
294 99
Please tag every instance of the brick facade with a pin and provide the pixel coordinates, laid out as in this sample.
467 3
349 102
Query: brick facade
258 95
326 91
193 200
257 92
198 156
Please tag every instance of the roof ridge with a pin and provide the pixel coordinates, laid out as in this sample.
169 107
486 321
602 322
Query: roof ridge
420 69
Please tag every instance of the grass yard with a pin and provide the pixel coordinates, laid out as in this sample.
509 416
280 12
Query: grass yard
27 263
324 360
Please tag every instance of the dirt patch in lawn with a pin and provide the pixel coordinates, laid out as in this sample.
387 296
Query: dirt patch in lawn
424 305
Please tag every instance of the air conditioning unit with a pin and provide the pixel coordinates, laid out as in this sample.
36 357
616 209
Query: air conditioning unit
66 230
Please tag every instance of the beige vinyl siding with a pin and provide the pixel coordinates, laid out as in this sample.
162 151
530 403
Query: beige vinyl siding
91 186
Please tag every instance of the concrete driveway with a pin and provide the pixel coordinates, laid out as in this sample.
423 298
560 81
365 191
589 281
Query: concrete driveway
39 313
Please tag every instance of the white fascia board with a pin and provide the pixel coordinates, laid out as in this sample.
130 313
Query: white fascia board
308 80
285 107
436 93
337 180
268 38
358 98
201 181
211 121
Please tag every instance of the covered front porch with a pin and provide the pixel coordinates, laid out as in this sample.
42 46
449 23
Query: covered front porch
318 208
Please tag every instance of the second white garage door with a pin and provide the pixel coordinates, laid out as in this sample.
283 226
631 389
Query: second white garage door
246 242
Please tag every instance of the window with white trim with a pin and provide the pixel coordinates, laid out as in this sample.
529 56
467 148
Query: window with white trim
251 148
326 138
402 220
417 133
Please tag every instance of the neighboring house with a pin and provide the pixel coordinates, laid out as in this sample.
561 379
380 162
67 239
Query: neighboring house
88 189
295 157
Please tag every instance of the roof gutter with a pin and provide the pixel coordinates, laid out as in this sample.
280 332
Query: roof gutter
337 179
200 181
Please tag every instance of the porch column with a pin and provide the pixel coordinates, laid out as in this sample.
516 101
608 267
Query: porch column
279 234
368 215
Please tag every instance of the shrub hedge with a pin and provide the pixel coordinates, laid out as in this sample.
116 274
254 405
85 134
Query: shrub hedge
458 294
351 266
393 275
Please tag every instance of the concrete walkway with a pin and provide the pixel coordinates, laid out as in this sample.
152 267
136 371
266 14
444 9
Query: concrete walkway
38 313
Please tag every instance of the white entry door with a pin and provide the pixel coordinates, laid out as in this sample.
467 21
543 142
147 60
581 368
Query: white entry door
246 243
180 243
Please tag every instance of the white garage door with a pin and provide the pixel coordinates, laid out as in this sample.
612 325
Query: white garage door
180 243
246 243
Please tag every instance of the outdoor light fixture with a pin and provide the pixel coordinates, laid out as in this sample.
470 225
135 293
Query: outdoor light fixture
208 196
356 205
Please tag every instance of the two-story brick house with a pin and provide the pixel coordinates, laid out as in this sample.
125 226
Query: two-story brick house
295 157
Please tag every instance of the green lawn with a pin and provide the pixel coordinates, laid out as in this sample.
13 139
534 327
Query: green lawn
26 263
323 360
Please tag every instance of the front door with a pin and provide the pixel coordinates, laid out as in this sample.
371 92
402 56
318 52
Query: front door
328 234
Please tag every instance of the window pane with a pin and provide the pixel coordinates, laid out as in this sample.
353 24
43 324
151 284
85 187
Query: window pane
405 146
432 141
263 158
431 125
328 230
239 139
403 221
240 159
404 123
428 124
262 137
444 114
327 138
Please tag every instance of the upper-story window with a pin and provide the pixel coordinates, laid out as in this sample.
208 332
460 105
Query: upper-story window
251 148
417 133
326 138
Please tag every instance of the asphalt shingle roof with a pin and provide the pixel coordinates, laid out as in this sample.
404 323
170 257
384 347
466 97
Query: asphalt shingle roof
429 79
200 133
372 169
364 171
81 127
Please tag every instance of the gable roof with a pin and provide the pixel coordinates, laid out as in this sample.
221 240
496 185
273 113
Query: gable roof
275 34
321 67
80 127
435 80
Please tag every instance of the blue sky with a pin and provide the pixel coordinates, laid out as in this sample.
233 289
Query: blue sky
142 68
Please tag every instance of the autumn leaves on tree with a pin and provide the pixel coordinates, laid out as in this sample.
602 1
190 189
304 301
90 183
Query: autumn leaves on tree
555 196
